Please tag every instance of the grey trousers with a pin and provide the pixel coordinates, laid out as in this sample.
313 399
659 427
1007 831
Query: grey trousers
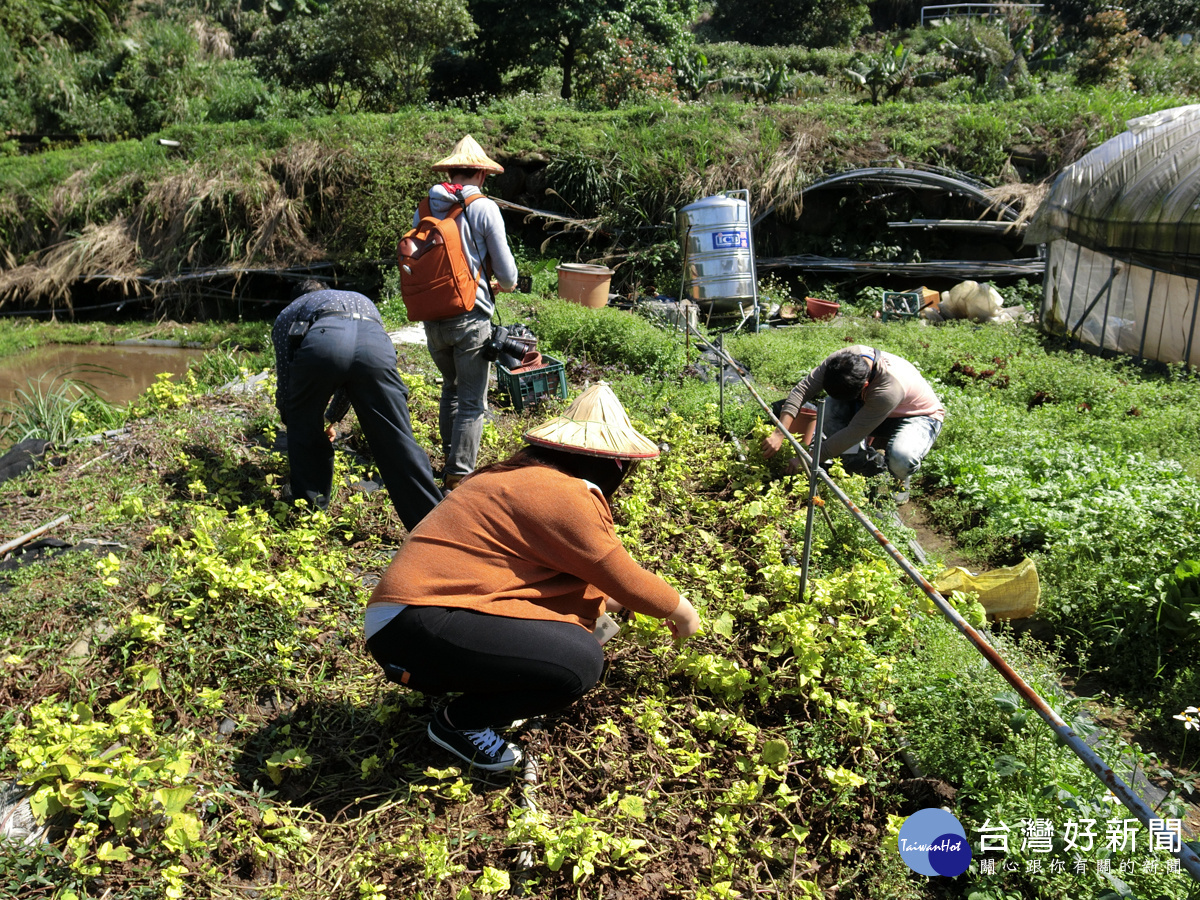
456 346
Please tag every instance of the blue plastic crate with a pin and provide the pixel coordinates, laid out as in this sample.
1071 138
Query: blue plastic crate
901 304
527 389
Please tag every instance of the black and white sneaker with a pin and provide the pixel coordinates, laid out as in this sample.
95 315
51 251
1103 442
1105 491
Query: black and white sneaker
482 748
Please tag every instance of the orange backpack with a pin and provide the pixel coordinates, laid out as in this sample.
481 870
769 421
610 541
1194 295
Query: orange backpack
436 281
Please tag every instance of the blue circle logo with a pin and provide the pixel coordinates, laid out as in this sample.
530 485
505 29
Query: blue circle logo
933 842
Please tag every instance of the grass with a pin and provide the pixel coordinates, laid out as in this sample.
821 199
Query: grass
257 193
56 408
224 628
61 407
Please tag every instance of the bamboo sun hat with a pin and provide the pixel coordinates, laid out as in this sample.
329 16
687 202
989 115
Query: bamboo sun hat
595 425
467 154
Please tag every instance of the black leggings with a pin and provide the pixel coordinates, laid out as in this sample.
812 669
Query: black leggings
504 668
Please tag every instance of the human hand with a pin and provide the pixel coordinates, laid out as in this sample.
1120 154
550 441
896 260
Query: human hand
771 443
612 606
684 622
331 433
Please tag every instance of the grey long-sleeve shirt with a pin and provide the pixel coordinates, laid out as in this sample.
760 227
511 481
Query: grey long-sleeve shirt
896 390
303 309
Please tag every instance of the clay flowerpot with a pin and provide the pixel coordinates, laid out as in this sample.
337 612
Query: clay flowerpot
584 284
805 423
821 309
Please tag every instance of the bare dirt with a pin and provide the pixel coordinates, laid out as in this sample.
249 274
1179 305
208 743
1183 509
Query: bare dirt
936 546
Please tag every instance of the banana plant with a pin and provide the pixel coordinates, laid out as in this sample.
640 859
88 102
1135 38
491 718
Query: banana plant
693 77
883 75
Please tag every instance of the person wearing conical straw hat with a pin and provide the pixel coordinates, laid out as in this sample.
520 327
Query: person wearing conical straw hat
457 343
500 594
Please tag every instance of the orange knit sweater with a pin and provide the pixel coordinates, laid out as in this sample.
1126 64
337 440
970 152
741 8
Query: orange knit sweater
528 543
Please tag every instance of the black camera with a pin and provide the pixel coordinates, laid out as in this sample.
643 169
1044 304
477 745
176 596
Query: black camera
508 345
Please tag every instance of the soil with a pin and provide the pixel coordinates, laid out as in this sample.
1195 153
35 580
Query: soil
935 545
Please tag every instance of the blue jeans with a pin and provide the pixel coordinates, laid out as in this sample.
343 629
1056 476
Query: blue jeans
357 355
456 346
905 440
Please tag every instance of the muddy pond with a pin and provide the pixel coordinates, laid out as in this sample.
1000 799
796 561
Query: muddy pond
118 373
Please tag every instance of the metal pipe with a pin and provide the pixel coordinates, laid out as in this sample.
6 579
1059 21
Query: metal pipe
1187 354
30 535
721 378
1187 857
1088 310
1146 315
814 471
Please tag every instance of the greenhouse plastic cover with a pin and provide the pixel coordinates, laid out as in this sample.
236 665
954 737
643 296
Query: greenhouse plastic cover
1135 197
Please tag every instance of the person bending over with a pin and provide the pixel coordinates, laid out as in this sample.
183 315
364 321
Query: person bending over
495 596
331 349
872 395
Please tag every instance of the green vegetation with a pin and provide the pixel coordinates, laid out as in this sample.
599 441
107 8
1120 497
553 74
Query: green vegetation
259 746
342 188
615 113
55 408
191 707
117 69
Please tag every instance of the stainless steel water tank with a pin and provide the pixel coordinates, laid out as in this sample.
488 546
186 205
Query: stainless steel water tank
718 253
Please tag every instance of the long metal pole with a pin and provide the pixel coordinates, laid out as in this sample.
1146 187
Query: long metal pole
721 375
30 535
1187 857
813 480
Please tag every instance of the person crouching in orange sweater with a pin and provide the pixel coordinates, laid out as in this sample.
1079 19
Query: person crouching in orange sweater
495 595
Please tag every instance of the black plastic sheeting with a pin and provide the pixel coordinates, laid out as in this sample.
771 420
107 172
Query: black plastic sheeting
22 457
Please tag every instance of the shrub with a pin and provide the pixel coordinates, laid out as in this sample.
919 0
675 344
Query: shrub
980 140
1163 17
618 68
365 54
1111 44
608 337
237 92
828 61
1167 67
813 23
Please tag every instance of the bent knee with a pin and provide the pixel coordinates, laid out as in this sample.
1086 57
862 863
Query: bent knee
903 466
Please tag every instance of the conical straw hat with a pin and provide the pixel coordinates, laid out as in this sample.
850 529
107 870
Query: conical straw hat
595 425
467 154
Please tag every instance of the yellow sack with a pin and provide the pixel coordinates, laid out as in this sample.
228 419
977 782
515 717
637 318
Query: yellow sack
1009 593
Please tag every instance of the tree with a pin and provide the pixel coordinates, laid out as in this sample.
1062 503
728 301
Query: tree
811 23
1157 17
367 54
530 35
83 24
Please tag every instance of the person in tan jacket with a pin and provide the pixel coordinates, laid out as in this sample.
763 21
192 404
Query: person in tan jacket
496 595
